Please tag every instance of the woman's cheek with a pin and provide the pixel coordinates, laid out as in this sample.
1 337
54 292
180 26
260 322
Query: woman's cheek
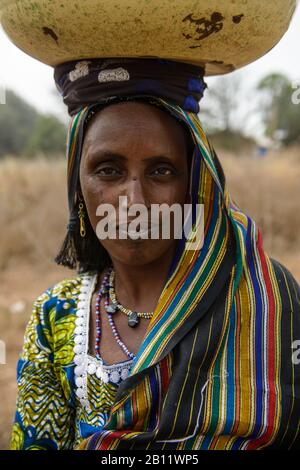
95 198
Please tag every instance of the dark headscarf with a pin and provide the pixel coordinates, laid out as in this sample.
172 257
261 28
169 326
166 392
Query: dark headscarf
86 82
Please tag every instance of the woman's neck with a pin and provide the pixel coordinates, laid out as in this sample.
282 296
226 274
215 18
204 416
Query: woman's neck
139 287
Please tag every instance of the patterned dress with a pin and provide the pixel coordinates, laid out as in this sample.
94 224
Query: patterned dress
64 394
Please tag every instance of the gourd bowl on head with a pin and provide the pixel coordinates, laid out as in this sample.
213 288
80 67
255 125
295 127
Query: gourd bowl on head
219 35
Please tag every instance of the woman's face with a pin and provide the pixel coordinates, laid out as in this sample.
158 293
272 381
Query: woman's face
136 150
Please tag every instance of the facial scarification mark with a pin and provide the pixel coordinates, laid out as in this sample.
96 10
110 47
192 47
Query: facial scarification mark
201 28
49 32
237 18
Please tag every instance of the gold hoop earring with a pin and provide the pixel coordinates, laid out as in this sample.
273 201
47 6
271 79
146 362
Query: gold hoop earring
81 215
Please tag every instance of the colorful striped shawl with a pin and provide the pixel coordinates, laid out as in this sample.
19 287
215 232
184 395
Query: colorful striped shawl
215 369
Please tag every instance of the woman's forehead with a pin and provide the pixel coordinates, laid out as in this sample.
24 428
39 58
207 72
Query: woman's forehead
127 112
132 120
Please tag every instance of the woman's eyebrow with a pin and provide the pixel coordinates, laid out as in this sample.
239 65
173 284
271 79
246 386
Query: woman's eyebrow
106 155
114 156
160 158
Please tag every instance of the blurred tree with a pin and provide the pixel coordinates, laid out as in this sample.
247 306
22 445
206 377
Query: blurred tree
221 104
17 122
23 130
281 117
49 137
224 116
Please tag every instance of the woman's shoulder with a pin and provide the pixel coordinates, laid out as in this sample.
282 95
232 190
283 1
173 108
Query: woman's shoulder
289 288
63 291
53 316
284 275
59 301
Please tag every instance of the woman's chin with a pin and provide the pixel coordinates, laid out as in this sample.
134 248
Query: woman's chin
137 252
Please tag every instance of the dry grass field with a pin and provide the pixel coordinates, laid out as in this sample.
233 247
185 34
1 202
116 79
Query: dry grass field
33 215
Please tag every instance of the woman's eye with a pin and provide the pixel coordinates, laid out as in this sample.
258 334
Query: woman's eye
163 171
107 171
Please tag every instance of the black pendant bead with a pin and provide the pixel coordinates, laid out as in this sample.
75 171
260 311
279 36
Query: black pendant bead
111 308
133 320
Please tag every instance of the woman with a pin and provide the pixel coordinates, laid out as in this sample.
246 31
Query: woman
156 343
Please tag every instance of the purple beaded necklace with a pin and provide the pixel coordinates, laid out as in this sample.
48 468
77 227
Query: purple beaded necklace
110 310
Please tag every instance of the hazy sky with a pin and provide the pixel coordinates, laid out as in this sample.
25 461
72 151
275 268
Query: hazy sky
34 80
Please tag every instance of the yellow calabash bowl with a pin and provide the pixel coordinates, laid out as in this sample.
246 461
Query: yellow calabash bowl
221 35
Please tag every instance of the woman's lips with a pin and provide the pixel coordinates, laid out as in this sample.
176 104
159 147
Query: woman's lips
142 231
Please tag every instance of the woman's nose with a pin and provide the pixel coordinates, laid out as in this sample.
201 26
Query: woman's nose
135 191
